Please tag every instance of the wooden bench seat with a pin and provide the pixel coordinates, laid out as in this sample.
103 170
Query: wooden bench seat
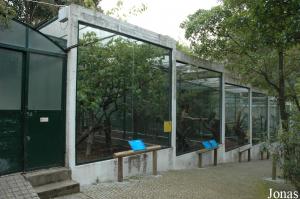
122 154
202 151
242 150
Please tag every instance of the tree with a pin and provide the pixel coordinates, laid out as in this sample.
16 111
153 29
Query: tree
101 82
118 10
291 150
117 77
6 13
255 39
34 13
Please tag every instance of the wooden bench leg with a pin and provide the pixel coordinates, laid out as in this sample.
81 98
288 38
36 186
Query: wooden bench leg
120 169
200 160
249 155
240 156
268 155
215 157
154 163
261 155
274 168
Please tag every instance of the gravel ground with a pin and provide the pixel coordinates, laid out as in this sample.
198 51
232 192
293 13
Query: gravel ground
227 181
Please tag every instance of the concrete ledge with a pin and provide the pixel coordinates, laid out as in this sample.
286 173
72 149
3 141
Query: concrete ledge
98 19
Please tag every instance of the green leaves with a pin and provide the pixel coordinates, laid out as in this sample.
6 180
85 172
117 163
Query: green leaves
34 13
291 154
120 71
247 37
6 13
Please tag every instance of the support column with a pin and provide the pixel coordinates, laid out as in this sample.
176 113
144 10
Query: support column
268 119
173 105
250 116
72 39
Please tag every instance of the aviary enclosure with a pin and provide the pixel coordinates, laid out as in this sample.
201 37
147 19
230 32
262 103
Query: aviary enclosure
123 93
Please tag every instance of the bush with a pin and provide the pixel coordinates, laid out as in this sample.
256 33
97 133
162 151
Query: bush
290 144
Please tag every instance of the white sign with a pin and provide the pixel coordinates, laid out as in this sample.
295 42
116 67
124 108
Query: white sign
44 119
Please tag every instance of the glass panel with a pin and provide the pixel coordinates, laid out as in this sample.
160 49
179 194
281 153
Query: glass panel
259 117
14 34
274 119
10 79
122 94
45 82
198 107
39 42
236 117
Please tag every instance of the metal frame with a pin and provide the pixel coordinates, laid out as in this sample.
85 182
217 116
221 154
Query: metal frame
220 103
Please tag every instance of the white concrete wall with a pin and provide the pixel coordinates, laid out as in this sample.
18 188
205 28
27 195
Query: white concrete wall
255 152
103 171
190 160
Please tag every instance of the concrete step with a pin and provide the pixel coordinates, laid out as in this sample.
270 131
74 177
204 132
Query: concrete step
47 176
57 189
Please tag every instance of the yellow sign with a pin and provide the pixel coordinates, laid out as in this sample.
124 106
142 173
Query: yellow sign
167 126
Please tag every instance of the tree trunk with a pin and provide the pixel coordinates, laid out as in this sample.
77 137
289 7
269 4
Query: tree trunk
282 95
135 123
90 142
107 131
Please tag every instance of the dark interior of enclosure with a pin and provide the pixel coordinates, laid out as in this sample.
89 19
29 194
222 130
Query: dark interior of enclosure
237 110
198 107
259 118
274 119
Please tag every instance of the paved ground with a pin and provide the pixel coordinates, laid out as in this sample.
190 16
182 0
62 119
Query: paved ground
16 187
227 181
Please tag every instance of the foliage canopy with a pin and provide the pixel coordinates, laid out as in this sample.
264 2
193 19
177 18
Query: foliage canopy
257 40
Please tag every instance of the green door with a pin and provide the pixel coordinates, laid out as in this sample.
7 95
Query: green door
11 137
32 124
44 121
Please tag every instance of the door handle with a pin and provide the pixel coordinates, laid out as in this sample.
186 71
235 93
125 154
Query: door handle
28 138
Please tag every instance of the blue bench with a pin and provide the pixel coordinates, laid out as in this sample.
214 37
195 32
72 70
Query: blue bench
138 147
210 145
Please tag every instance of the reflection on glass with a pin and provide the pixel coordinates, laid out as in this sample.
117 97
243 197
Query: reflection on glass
39 42
10 79
14 34
237 116
274 119
259 117
122 93
198 107
44 82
